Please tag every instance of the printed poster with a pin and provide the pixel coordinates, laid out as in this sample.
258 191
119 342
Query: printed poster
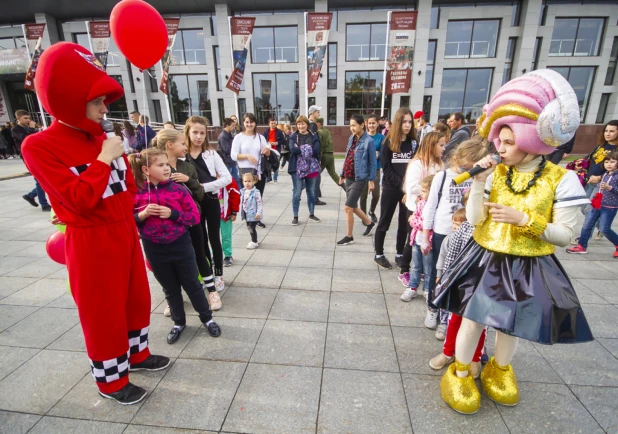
401 42
99 37
34 37
242 28
318 26
172 30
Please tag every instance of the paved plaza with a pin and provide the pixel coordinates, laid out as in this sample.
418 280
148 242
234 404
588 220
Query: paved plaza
315 340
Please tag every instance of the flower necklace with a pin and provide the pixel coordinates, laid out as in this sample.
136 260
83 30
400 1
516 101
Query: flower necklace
537 175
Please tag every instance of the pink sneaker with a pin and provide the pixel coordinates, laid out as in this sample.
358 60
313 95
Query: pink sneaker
578 250
404 278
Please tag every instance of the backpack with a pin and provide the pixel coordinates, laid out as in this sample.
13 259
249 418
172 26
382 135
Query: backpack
306 163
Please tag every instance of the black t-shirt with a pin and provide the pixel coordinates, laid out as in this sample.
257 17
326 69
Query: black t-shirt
203 173
394 164
597 167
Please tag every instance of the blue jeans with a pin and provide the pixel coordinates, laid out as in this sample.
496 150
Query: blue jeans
233 169
40 193
430 283
591 190
605 217
420 264
298 185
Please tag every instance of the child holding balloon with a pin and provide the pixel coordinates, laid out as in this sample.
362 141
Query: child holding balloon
164 210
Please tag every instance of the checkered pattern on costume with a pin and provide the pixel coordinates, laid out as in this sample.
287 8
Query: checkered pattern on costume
138 340
110 370
116 183
456 244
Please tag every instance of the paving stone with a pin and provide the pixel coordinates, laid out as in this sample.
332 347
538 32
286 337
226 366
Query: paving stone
195 394
71 426
579 269
286 229
362 402
548 408
160 327
355 308
142 429
308 279
247 302
586 364
260 277
606 289
430 414
84 402
300 306
319 230
276 399
312 259
391 284
355 261
11 263
291 343
362 347
274 242
41 267
12 358
308 242
17 423
65 301
602 403
350 280
236 343
39 293
8 248
274 258
33 388
610 345
37 248
415 347
73 340
42 328
10 285
10 315
602 320
406 314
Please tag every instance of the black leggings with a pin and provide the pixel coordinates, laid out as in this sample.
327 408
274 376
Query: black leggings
251 227
203 264
211 217
388 203
406 260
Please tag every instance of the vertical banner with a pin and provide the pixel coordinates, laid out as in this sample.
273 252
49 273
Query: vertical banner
99 39
172 29
241 31
318 26
34 37
401 42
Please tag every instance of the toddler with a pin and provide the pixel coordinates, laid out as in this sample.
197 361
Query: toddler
251 207
229 198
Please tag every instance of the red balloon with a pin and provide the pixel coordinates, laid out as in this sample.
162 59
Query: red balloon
55 247
139 32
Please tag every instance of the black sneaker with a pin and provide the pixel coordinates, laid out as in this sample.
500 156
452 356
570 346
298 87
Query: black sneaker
369 230
262 225
383 262
228 261
30 200
152 363
46 208
174 334
399 261
345 241
129 394
373 217
312 217
319 202
213 329
295 221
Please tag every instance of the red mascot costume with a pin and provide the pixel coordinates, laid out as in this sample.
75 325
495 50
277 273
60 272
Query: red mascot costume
91 191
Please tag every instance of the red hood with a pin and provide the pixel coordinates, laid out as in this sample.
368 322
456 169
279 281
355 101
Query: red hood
69 76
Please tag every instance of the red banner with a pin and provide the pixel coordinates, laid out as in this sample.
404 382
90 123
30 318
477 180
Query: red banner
401 42
99 37
172 29
34 35
242 28
318 26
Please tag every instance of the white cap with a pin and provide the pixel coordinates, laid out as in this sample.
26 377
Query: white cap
314 108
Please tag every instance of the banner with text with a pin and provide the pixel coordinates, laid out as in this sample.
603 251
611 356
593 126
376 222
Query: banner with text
99 37
401 51
172 30
34 37
318 26
242 28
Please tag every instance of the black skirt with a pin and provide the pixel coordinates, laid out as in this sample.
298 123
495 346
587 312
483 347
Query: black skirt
527 297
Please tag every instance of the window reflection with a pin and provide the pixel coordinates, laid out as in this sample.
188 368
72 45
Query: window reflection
576 37
365 42
471 39
363 94
276 95
189 48
466 91
189 96
274 45
580 78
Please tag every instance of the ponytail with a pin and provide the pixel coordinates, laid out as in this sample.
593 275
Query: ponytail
141 160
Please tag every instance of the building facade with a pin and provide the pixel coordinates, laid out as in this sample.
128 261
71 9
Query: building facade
464 52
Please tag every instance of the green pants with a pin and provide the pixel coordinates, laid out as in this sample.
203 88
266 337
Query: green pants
375 196
226 237
328 163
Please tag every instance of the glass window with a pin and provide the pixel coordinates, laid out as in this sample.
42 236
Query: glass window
332 66
274 45
118 109
218 66
466 91
580 78
242 107
7 44
152 79
576 37
189 48
113 55
189 97
158 115
363 94
221 107
365 42
466 39
82 39
516 14
404 101
311 101
213 26
332 110
276 95
130 72
431 59
611 67
537 53
602 108
508 64
434 21
427 105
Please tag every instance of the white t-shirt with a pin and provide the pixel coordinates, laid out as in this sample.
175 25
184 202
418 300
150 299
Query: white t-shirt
439 216
248 145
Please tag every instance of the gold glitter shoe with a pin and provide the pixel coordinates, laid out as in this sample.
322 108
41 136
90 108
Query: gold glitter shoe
461 394
499 383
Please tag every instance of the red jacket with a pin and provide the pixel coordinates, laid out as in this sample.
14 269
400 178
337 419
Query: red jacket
229 198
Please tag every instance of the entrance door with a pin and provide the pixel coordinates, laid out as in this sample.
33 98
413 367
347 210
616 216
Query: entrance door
24 99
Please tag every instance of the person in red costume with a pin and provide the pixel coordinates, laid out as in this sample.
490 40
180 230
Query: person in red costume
91 191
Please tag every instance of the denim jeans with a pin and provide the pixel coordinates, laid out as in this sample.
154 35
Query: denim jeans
430 283
605 217
591 190
233 169
40 193
420 264
298 185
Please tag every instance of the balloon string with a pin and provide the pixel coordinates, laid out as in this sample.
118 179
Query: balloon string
146 116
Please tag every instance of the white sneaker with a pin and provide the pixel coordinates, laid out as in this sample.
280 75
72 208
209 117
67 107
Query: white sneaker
431 320
408 294
219 283
252 245
441 332
167 312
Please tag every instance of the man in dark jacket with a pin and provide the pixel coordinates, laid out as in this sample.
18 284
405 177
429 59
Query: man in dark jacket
314 115
276 139
10 143
459 133
224 144
561 152
145 133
